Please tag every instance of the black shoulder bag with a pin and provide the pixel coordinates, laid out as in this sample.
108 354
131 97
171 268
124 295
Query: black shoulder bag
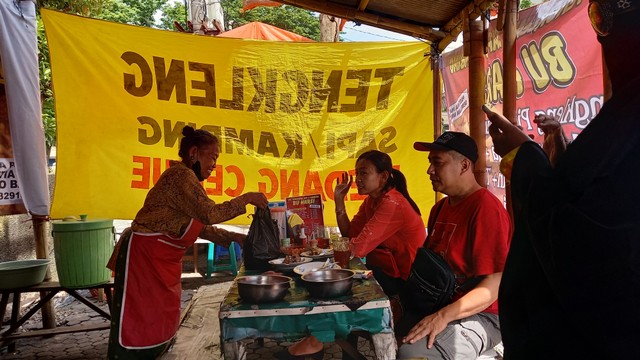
431 283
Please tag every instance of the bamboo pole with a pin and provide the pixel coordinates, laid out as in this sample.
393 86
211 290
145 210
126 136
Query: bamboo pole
42 252
476 98
509 55
437 96
502 9
455 26
437 103
363 5
509 63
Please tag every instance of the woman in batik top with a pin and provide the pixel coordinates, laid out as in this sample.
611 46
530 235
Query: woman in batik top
148 258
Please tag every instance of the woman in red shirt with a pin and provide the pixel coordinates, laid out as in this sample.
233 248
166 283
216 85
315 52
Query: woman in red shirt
387 229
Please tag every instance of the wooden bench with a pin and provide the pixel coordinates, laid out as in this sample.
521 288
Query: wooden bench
48 290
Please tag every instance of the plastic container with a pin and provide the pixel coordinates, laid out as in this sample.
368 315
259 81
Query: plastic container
22 273
82 250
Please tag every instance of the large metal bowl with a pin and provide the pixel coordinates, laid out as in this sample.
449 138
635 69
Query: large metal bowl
258 289
22 273
328 283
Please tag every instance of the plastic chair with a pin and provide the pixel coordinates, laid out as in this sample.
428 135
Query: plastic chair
213 265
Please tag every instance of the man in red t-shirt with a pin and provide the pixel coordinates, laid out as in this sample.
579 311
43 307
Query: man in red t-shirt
471 232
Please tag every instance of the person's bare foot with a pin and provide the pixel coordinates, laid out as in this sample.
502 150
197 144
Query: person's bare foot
308 345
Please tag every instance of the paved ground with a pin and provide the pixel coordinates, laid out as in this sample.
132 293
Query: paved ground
93 345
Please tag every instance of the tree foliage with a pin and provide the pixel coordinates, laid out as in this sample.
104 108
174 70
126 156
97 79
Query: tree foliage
173 12
291 18
525 4
134 12
46 92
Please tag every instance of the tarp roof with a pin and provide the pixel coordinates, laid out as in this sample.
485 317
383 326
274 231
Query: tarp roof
261 31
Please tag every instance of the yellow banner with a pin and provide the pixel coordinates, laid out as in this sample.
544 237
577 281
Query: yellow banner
291 117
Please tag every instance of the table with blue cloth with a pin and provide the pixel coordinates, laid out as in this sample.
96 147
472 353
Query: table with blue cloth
364 311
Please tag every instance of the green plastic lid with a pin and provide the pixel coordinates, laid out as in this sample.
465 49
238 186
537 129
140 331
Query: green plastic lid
91 224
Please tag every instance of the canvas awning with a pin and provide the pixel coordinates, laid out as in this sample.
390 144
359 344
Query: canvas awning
261 31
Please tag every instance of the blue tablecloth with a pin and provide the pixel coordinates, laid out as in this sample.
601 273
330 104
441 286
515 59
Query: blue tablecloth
366 308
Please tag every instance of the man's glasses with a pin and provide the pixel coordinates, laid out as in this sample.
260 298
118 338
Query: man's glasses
601 13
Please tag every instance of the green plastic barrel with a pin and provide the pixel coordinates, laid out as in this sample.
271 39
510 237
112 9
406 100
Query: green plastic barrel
82 250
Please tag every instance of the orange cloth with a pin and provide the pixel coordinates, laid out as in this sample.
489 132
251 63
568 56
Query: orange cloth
260 31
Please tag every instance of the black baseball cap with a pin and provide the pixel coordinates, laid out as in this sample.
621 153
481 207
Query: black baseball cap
451 140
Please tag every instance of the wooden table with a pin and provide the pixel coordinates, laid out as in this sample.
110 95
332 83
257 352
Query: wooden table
49 289
365 311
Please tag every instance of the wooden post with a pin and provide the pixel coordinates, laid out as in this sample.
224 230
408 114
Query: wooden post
42 252
509 92
437 95
198 16
437 101
329 28
476 98
509 63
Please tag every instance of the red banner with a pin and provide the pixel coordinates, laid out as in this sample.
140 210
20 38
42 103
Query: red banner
559 73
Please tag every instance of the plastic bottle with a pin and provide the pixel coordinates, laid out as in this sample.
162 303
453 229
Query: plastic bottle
303 238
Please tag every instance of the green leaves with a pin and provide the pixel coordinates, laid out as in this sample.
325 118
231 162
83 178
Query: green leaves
290 18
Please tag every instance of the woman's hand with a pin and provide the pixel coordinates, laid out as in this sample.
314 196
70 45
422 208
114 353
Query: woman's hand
343 186
505 135
256 198
239 238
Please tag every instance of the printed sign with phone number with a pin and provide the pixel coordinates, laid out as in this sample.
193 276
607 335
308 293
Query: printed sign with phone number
9 190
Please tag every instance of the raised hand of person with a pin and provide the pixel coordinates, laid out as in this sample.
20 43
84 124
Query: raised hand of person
555 141
342 187
548 124
505 135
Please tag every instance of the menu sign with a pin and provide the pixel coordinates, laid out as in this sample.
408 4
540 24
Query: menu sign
309 209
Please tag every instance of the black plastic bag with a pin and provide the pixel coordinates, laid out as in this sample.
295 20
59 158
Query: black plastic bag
262 243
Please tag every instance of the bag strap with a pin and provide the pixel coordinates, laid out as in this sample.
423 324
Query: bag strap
431 223
467 284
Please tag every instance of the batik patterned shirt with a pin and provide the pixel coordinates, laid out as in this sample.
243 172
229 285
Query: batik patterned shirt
176 198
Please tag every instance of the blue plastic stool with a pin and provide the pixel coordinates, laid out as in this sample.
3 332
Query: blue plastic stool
222 253
214 266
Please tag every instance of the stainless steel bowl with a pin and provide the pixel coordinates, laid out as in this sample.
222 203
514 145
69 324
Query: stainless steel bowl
328 283
258 289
